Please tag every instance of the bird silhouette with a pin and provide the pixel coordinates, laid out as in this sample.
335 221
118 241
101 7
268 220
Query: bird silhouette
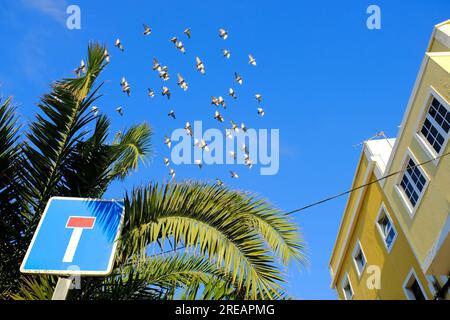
238 78
226 53
81 69
166 92
188 129
231 93
167 141
187 32
119 45
171 114
182 83
223 34
234 175
166 161
261 112
200 66
147 30
218 116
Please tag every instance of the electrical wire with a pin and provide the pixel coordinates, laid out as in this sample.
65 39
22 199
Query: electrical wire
363 186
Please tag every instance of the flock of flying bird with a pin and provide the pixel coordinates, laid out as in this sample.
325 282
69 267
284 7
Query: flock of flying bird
163 72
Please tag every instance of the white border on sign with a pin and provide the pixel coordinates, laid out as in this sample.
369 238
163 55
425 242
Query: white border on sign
73 272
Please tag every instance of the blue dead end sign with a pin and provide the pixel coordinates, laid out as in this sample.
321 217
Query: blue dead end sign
75 236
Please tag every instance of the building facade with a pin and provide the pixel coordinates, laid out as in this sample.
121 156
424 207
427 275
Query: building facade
394 237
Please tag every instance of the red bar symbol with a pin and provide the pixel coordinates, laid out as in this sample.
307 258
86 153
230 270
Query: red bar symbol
80 222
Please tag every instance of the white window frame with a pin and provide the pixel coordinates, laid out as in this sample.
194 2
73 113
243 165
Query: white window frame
355 249
401 193
345 281
380 231
407 291
422 141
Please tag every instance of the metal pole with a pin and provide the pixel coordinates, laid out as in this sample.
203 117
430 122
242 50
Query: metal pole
62 288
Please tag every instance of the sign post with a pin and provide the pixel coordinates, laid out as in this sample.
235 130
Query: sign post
75 237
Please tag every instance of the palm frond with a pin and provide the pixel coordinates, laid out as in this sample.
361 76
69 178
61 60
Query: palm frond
213 220
133 145
54 137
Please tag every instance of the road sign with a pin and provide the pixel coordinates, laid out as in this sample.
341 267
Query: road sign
76 236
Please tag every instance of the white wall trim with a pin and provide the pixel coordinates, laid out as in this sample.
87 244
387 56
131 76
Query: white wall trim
407 113
352 222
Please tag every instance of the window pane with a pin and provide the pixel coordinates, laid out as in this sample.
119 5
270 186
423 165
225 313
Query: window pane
436 125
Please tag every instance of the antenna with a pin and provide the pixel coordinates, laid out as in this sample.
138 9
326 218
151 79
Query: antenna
378 134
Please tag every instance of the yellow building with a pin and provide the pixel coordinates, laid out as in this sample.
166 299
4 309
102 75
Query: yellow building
394 237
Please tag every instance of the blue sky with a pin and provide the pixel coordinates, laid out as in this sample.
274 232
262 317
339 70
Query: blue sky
327 83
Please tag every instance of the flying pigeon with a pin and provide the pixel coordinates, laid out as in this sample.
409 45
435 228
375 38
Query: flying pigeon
200 66
233 155
238 78
94 110
244 148
172 173
258 97
231 93
201 144
171 114
199 163
106 55
173 40
179 45
261 112
187 32
234 126
147 30
228 133
221 101
251 60
119 110
247 161
156 65
166 161
167 141
80 69
164 74
215 101
234 175
119 45
182 83
166 92
223 34
243 127
151 93
125 86
219 182
218 116
188 129
226 53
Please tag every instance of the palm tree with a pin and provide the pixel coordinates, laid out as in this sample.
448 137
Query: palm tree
191 240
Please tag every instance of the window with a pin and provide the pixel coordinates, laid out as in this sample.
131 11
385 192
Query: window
413 182
412 287
386 228
359 259
436 125
347 288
